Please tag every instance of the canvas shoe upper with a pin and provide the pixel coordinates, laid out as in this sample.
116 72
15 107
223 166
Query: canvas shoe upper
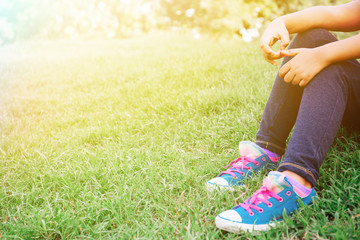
252 159
265 207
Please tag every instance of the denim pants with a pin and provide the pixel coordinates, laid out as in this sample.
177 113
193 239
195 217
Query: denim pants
332 98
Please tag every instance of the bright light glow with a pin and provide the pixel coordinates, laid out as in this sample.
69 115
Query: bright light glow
6 29
249 34
101 6
145 8
204 4
190 12
111 18
69 30
196 34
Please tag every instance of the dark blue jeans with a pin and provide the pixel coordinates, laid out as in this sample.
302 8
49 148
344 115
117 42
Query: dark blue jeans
332 98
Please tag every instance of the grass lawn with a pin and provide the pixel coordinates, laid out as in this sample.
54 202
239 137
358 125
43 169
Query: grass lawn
116 139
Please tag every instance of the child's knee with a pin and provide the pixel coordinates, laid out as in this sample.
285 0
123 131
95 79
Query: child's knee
312 38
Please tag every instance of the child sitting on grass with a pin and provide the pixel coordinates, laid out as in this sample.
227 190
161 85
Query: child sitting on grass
317 89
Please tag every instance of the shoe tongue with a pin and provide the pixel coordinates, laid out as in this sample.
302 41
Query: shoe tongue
276 182
250 149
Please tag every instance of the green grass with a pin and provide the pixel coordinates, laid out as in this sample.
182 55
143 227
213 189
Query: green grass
115 140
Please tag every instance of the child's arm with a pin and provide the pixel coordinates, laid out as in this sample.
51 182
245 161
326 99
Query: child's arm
308 62
339 18
343 18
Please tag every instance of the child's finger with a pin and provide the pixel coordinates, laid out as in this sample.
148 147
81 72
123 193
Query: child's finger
284 70
290 77
284 41
273 62
304 82
268 51
291 52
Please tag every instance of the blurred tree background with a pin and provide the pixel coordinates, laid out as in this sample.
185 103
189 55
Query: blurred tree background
85 19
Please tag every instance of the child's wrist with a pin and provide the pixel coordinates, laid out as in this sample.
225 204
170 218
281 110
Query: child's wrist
325 54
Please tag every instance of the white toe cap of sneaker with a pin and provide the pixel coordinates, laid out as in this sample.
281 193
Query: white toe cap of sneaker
230 215
229 221
218 183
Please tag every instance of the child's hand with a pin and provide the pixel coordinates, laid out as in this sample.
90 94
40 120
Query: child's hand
303 67
276 31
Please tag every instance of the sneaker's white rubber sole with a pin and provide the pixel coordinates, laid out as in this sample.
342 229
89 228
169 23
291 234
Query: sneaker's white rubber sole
237 227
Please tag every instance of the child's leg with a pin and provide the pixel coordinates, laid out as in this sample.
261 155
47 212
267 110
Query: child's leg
283 104
321 112
319 108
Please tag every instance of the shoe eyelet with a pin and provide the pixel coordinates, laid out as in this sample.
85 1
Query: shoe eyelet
251 214
261 210
288 193
269 205
263 159
242 174
281 199
257 164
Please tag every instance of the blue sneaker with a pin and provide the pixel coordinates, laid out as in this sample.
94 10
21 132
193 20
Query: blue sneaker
252 159
265 207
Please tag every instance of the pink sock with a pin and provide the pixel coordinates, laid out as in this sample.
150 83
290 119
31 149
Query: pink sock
299 189
271 154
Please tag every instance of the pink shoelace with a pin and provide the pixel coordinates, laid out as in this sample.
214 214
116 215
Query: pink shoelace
262 195
237 165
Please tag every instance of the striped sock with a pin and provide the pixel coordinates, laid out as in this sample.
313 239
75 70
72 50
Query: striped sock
271 154
299 189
